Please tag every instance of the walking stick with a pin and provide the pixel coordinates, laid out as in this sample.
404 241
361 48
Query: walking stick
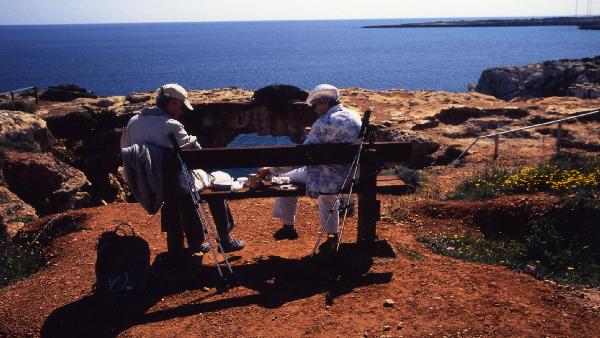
200 210
363 134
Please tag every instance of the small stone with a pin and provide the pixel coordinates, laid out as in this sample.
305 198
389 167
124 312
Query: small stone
493 284
387 328
389 303
205 289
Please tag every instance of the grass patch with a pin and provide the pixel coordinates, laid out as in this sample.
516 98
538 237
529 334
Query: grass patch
568 268
564 174
18 261
473 249
562 245
23 257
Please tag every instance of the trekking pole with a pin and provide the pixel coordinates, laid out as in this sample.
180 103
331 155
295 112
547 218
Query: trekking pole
354 165
200 210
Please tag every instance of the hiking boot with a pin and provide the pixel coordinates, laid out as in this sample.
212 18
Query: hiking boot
232 244
286 232
330 245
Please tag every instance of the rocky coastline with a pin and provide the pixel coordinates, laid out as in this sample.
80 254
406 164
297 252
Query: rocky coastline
65 155
582 22
569 77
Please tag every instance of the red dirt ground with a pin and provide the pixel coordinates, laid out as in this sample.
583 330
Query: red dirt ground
281 293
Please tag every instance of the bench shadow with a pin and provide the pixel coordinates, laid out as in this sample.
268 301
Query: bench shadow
276 281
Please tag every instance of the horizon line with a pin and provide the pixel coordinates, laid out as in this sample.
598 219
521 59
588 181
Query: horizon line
286 20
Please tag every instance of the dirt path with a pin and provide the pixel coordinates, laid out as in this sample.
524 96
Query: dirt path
283 293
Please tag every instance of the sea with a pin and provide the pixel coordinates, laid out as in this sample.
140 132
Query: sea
116 59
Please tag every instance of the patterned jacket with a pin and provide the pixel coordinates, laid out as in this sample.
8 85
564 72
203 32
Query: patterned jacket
338 125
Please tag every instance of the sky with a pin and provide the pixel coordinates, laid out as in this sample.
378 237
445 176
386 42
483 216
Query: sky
21 12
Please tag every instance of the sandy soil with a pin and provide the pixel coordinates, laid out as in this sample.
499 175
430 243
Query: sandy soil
283 292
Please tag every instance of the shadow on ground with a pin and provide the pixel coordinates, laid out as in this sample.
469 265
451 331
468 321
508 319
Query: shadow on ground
276 280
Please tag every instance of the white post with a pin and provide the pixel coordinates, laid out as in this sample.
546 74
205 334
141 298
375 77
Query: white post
558 136
496 146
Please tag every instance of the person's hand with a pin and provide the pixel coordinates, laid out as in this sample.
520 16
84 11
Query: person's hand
263 172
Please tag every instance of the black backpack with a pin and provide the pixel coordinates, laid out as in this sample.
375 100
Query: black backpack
122 264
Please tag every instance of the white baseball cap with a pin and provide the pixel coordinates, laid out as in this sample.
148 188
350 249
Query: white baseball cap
323 91
175 91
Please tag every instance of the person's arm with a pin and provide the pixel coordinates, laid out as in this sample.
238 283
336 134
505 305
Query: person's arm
315 134
184 140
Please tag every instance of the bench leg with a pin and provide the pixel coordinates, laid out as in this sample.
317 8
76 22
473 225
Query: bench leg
368 205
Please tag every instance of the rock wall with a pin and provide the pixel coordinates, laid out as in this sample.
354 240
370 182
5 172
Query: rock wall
550 78
216 125
88 131
24 131
45 182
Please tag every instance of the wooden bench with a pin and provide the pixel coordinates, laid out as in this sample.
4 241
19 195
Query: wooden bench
373 155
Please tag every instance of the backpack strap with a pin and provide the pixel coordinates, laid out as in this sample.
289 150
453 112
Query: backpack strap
119 228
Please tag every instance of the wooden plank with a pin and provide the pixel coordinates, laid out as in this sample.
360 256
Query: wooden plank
385 185
298 155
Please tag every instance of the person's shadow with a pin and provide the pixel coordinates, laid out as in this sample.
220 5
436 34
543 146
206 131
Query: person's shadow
277 281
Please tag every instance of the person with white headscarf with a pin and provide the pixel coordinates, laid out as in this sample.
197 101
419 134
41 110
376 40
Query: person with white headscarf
336 124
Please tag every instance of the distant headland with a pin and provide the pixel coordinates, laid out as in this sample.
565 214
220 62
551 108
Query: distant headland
589 22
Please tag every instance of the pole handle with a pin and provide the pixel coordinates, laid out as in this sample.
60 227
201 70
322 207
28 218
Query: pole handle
365 123
174 141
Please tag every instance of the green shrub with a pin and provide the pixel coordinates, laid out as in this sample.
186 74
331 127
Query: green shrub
26 254
562 245
475 249
481 185
562 175
18 262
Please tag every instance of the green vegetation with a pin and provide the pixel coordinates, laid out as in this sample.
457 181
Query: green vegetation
544 253
474 249
561 244
18 261
563 175
21 258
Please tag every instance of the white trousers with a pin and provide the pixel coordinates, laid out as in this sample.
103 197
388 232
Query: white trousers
285 207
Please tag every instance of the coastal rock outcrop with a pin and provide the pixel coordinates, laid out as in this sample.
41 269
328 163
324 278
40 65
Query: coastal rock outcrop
66 92
550 78
23 131
14 213
45 182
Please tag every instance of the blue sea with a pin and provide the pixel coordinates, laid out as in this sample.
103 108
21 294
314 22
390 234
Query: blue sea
115 59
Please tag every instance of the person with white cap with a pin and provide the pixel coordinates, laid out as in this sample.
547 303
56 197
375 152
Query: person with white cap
152 126
336 124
